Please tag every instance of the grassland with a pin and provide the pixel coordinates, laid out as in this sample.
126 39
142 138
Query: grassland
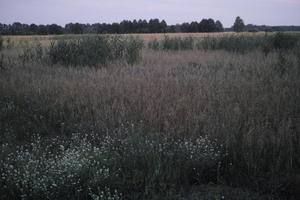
157 117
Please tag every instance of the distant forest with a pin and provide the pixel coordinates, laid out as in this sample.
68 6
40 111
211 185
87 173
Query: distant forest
127 26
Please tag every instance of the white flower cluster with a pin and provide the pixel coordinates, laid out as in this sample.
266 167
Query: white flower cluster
36 170
105 194
87 165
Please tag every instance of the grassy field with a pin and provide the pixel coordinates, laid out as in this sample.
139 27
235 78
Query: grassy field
151 116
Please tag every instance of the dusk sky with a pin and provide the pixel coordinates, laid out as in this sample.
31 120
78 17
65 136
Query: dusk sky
268 12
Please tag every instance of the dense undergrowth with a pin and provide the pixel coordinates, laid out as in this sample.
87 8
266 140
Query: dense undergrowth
232 43
192 124
85 166
86 51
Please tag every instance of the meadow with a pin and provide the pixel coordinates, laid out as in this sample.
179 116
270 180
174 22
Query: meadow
150 116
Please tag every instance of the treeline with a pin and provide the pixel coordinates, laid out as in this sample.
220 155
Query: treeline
266 28
126 26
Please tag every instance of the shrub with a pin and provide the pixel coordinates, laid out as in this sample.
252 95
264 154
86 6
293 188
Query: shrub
93 51
175 44
132 49
1 43
207 43
33 53
153 44
284 41
246 43
187 43
171 43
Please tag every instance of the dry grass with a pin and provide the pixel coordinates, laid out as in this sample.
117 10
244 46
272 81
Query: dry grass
240 99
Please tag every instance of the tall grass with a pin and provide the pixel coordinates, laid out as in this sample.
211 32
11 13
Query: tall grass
92 51
173 44
1 43
169 123
85 51
234 43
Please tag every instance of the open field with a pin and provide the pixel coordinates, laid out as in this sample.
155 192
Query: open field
19 39
188 116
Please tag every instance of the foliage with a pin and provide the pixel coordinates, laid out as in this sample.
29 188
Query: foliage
94 51
34 53
1 43
125 26
285 41
172 43
238 25
151 124
153 44
85 165
244 43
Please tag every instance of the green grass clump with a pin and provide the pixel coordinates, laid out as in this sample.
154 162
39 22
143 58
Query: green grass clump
32 53
246 43
1 43
233 43
175 44
154 44
95 51
171 43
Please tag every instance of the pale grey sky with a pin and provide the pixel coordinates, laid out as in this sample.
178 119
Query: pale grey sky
269 12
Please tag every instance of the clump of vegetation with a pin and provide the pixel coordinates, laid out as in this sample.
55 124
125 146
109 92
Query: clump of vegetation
169 43
94 51
246 43
1 43
87 165
172 43
233 43
177 121
285 41
32 53
132 50
154 44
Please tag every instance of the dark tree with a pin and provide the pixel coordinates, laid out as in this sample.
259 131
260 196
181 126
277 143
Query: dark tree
185 27
163 26
194 27
238 25
55 29
219 26
33 29
154 26
74 28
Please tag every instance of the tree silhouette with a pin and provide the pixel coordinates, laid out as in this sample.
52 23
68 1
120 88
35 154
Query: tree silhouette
238 25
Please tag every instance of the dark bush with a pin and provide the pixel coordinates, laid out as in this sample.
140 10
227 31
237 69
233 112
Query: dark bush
244 43
187 43
132 50
154 44
284 41
94 51
171 43
1 43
